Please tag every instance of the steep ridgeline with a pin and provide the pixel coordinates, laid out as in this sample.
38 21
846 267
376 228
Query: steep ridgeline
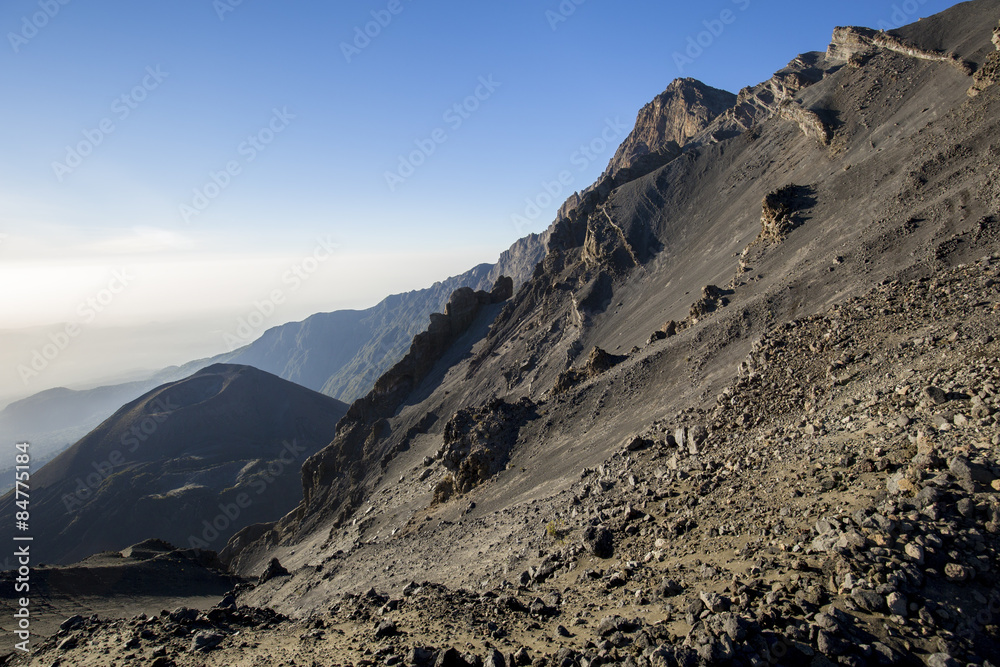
335 479
342 354
190 462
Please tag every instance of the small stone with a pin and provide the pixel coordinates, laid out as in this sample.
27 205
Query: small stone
386 629
868 600
600 541
941 660
914 552
206 640
966 507
714 602
611 624
936 395
830 644
956 573
897 604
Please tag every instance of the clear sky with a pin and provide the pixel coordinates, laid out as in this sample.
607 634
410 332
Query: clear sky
207 148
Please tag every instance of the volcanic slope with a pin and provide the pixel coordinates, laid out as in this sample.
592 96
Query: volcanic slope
904 177
190 462
744 412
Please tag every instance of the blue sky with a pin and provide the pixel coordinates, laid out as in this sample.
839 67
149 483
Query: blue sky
259 105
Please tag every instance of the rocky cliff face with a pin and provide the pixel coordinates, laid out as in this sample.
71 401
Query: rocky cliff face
673 118
662 129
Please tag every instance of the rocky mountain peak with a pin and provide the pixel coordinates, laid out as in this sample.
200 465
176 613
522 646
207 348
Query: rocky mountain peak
662 128
674 116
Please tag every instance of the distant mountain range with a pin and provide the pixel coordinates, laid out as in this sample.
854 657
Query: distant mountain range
339 354
191 462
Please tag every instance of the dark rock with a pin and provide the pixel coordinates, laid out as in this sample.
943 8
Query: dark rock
418 656
941 660
386 629
494 659
830 644
599 541
669 588
868 600
274 569
450 658
936 395
611 624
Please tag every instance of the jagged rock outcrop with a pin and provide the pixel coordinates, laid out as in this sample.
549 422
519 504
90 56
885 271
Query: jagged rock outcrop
598 362
477 443
755 104
364 423
808 121
662 129
853 44
989 73
780 209
673 118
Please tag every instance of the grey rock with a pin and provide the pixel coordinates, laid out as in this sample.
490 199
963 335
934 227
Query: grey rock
868 600
274 569
941 660
495 659
830 644
418 656
669 588
450 658
897 604
936 395
72 623
611 624
714 602
386 629
206 640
